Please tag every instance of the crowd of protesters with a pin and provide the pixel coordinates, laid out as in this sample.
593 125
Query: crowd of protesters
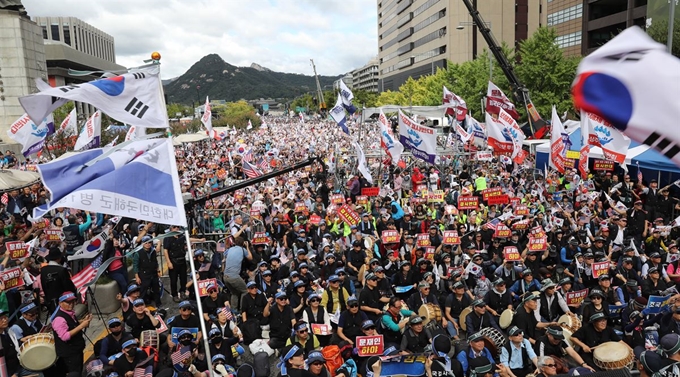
520 288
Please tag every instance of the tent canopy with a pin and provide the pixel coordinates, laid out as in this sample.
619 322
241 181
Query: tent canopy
425 111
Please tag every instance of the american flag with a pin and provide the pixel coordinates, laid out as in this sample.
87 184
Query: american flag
4 199
180 355
250 171
144 372
87 274
262 164
228 313
639 174
493 223
248 156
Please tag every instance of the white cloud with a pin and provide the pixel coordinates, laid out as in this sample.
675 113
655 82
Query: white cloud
281 35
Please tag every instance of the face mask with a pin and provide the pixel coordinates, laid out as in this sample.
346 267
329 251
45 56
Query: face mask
185 342
116 333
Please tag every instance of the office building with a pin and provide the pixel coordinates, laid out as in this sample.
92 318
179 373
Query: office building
603 19
366 77
348 79
415 37
566 17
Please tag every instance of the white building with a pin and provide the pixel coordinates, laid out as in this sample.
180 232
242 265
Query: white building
367 77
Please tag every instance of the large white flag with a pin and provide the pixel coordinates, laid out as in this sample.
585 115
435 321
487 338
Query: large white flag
338 114
421 140
559 143
361 158
464 135
347 97
456 105
105 185
91 134
134 98
601 134
498 138
391 145
31 136
70 124
511 129
632 82
206 119
497 100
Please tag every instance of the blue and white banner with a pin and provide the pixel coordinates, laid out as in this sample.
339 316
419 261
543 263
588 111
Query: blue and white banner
392 147
347 97
421 140
134 98
655 304
90 136
338 114
137 180
31 136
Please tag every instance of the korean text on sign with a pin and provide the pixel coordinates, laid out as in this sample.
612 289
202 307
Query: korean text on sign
12 278
575 298
370 345
203 286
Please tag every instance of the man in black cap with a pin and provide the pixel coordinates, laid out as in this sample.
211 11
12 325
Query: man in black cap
371 301
55 279
479 318
498 299
567 253
350 322
653 284
518 354
605 285
416 337
626 271
525 285
553 344
475 355
652 364
594 334
526 318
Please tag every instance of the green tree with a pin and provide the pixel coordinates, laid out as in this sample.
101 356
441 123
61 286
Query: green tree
659 32
546 72
364 98
392 98
237 114
175 108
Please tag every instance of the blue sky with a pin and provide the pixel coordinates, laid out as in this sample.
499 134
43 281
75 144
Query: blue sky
281 35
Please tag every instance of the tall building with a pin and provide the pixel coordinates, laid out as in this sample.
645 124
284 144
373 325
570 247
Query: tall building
22 61
603 19
415 37
348 79
566 17
366 77
71 44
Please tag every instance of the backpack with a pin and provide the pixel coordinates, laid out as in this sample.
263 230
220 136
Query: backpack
251 331
261 364
333 356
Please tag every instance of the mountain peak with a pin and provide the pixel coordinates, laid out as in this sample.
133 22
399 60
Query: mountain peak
260 68
214 77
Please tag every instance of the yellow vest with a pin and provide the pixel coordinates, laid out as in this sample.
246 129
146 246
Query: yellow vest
480 183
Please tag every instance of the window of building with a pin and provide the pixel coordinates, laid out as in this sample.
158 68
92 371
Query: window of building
568 40
67 35
55 32
565 15
424 7
44 29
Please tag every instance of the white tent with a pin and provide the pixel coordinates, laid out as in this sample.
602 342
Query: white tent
189 138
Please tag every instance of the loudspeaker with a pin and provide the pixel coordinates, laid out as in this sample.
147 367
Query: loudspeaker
625 372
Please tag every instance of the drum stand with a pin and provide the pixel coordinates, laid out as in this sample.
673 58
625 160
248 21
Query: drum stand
93 302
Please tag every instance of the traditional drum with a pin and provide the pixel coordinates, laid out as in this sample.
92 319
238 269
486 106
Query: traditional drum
567 336
570 322
431 312
463 316
494 340
506 318
37 352
149 338
613 355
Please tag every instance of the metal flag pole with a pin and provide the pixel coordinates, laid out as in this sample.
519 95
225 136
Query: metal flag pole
194 278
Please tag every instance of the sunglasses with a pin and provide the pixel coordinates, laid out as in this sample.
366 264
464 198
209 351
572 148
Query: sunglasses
353 306
369 328
302 331
185 309
316 364
549 365
596 298
282 298
315 300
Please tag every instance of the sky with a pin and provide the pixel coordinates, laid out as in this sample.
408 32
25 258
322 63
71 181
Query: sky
281 35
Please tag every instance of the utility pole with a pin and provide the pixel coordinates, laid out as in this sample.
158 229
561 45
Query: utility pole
671 24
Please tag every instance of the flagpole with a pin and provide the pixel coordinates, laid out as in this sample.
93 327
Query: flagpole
194 279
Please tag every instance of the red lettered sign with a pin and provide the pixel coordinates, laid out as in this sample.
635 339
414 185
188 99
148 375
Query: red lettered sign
575 298
600 268
370 191
500 199
603 165
538 244
468 202
321 329
203 286
17 249
260 238
348 215
514 201
491 192
337 199
423 240
502 231
362 199
521 210
429 253
315 219
300 207
451 238
370 345
12 278
521 225
510 253
390 236
54 234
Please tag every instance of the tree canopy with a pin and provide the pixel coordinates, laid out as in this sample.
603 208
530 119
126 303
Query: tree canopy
659 32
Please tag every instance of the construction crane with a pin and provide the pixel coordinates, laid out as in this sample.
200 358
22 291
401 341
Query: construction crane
537 127
319 92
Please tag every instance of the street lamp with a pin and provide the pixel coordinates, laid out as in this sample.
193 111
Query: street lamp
462 25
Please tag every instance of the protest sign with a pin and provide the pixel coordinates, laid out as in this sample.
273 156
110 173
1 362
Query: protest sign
370 191
390 236
502 231
451 238
422 240
510 253
260 238
370 345
468 202
54 234
362 200
348 215
577 297
203 286
17 249
538 244
315 219
603 165
337 199
321 329
12 278
600 268
656 303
